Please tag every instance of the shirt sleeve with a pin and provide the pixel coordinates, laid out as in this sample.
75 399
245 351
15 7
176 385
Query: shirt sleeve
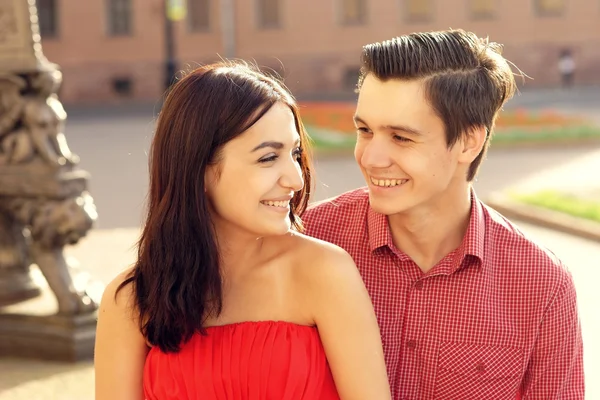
555 369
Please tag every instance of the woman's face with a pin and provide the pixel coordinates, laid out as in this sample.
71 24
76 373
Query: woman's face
251 185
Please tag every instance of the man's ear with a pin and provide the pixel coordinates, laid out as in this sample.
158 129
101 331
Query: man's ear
472 143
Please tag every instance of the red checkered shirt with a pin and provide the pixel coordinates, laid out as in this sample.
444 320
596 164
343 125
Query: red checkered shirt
495 319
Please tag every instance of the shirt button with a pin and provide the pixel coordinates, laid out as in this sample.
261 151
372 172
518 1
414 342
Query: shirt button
419 285
411 344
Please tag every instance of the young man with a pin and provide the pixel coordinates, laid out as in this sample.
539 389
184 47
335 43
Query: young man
468 306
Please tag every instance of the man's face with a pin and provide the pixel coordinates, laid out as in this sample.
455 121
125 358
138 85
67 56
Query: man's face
402 149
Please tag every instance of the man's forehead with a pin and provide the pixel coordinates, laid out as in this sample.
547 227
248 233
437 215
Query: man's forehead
391 100
396 87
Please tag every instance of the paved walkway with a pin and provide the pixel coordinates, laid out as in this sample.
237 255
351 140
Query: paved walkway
578 176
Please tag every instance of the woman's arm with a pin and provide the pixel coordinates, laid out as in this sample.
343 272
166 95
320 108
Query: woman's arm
120 350
346 320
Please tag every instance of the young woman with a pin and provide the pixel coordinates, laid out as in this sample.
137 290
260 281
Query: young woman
227 299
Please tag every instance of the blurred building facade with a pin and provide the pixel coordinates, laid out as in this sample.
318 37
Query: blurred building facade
114 50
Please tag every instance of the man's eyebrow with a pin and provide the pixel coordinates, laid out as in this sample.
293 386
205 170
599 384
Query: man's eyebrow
403 128
356 118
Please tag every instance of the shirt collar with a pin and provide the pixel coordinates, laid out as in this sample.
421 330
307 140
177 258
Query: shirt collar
378 230
472 244
474 239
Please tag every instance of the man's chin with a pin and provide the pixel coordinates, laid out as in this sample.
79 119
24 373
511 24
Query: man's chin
386 206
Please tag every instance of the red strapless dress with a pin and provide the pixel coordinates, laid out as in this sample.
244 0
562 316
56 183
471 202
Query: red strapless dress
265 360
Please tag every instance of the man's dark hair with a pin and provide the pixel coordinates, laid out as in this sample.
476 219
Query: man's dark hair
466 79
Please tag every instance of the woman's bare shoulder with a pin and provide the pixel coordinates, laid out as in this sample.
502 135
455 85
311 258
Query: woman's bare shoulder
120 349
119 297
319 259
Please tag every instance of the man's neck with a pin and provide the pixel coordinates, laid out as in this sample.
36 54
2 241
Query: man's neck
430 232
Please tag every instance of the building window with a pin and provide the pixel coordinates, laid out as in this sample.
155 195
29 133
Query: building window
198 15
419 10
47 17
353 12
119 17
549 7
122 86
481 9
269 13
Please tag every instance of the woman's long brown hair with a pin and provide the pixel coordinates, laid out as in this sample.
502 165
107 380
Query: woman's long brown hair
176 281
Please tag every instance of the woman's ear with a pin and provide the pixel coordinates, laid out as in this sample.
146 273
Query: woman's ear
211 176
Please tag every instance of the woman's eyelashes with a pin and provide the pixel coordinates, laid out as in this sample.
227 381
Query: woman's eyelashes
271 157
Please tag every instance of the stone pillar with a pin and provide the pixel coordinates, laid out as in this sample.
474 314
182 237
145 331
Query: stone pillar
44 202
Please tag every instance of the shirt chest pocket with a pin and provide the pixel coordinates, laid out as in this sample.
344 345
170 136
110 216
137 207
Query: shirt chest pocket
471 371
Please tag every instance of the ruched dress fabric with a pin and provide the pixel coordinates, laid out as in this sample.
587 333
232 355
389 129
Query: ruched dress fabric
267 360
